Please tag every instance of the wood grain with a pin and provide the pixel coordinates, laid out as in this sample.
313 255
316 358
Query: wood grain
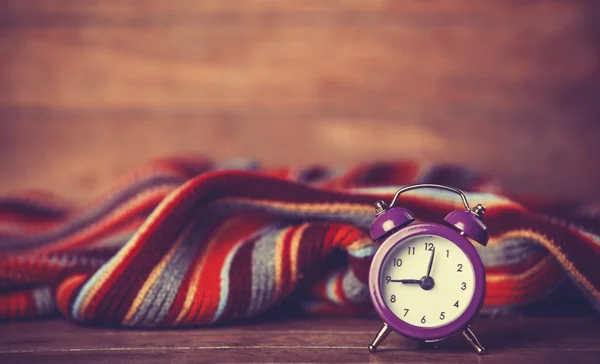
89 90
514 340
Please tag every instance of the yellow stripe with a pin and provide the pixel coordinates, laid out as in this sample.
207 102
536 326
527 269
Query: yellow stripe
523 275
153 276
193 286
550 245
361 243
119 257
295 245
108 219
111 266
278 261
310 207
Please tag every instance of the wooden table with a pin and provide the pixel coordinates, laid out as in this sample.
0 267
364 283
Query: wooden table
315 340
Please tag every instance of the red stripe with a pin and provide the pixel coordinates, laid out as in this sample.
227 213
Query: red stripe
510 292
240 282
187 278
210 279
107 225
311 250
286 264
572 244
338 287
520 266
67 292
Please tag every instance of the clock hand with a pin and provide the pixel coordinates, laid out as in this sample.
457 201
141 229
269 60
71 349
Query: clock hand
406 281
430 262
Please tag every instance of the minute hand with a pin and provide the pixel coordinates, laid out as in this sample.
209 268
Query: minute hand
430 262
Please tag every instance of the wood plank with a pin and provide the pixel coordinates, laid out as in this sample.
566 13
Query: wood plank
518 340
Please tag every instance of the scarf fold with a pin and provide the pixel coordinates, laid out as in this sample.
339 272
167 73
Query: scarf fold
184 242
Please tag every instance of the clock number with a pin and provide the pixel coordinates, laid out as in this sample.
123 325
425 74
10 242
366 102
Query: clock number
423 320
459 267
405 312
447 253
463 286
456 304
411 250
442 316
388 279
429 246
397 262
393 298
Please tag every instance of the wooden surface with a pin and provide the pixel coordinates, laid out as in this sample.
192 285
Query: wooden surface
91 89
514 340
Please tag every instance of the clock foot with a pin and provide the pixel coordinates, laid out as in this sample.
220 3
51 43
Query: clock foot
472 339
381 335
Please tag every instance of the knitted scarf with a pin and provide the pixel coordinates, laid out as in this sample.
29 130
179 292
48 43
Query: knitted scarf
185 242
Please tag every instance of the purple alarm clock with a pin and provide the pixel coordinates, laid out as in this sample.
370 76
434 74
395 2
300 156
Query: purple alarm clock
427 281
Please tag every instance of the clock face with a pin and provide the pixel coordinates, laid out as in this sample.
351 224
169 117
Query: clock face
420 299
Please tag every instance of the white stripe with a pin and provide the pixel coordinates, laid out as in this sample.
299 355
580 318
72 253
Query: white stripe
594 237
225 272
223 298
363 252
331 288
89 284
44 301
354 289
263 272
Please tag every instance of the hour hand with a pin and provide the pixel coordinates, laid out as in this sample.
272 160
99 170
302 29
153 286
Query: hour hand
406 281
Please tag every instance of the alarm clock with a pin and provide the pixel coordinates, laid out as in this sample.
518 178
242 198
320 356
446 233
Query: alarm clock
427 281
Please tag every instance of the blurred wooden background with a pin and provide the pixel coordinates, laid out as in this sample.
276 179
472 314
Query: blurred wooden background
91 89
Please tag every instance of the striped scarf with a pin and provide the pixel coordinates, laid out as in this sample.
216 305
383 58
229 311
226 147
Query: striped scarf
184 242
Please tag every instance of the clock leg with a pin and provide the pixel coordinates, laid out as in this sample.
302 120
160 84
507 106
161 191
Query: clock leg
472 339
381 335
